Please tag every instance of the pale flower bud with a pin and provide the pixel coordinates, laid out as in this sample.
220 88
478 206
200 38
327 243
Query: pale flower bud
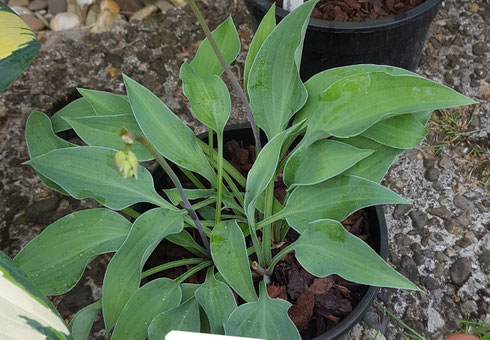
126 164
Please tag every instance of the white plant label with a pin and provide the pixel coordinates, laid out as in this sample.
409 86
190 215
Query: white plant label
291 5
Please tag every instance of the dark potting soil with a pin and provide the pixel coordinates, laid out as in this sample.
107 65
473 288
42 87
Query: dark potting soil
358 10
318 304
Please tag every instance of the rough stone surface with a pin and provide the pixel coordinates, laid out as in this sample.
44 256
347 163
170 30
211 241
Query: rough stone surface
460 270
151 52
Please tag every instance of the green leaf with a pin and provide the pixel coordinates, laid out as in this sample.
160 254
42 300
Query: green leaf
402 132
188 290
209 98
106 103
41 139
82 322
263 171
184 318
275 89
185 240
375 166
168 134
265 319
229 254
123 275
192 194
205 62
55 260
422 116
320 161
353 104
326 248
217 300
144 305
335 199
267 24
323 80
24 311
76 109
19 46
104 131
88 171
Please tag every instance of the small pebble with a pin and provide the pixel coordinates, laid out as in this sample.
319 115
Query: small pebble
57 6
480 48
37 5
474 8
460 270
163 5
143 13
34 23
20 3
179 3
64 21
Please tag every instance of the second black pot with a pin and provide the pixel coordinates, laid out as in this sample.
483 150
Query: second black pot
395 41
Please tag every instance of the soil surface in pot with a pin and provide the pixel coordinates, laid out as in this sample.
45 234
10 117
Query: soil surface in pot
358 10
318 303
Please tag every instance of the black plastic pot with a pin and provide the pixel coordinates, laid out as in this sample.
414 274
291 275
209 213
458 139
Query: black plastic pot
396 41
376 220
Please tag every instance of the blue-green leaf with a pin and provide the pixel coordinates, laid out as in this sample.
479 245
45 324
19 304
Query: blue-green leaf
76 109
123 274
55 260
265 319
375 166
88 171
353 104
274 86
167 133
82 322
205 63
335 199
106 103
326 248
217 300
320 161
209 98
144 305
229 253
323 80
402 132
183 318
104 131
41 139
267 24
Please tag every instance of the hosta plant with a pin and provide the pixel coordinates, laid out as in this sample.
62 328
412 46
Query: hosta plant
354 121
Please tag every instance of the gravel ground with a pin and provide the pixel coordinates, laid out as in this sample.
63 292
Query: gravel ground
441 242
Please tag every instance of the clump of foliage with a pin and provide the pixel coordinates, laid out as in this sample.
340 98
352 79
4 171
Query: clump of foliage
355 121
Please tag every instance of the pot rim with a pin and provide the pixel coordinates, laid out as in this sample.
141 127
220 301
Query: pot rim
384 23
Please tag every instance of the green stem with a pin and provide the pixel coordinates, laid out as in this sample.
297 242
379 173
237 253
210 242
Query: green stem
210 142
256 244
204 203
192 271
228 72
238 195
279 256
220 177
271 219
230 169
173 177
266 231
192 178
131 212
170 265
417 335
